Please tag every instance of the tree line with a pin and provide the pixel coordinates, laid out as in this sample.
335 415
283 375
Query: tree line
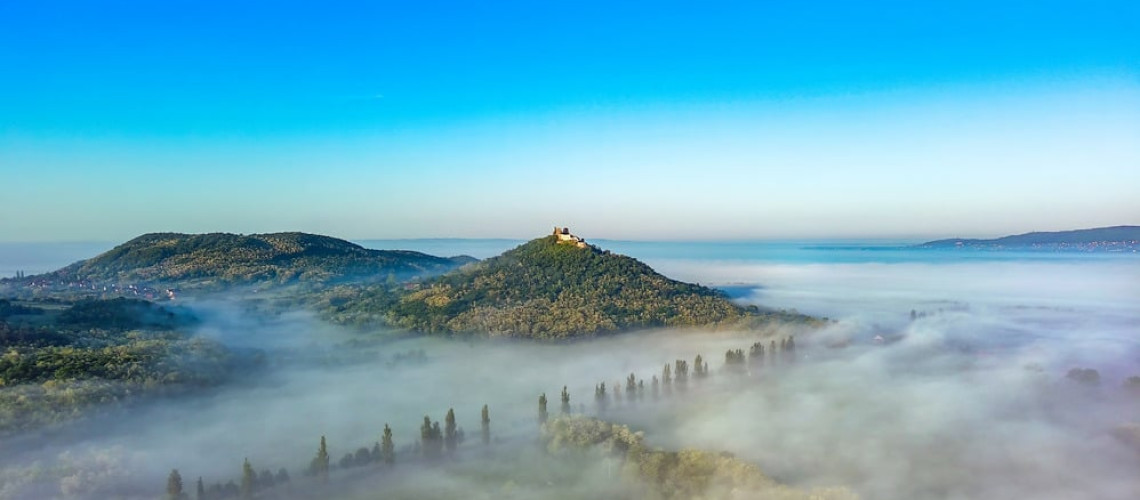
438 442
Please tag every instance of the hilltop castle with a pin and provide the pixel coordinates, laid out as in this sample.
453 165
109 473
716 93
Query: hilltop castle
564 236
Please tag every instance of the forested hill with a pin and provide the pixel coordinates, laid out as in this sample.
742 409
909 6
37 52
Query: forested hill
1116 238
221 259
547 289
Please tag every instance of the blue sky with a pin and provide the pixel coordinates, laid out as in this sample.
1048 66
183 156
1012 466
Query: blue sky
652 120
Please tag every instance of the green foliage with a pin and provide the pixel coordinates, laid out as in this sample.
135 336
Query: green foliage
138 358
450 436
431 439
124 314
248 478
42 385
319 466
545 289
210 261
9 309
486 425
27 336
565 401
388 447
174 485
673 474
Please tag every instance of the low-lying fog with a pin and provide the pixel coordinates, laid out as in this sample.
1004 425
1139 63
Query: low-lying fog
966 398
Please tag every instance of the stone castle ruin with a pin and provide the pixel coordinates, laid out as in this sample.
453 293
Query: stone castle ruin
564 236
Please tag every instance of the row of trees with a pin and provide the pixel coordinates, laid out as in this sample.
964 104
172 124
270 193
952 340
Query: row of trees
438 442
251 483
435 443
675 376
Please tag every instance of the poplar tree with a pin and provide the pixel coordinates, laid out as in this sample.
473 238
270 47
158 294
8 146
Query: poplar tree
565 401
436 440
174 485
631 387
450 438
681 372
201 493
756 354
432 439
486 421
425 436
542 415
600 396
698 370
790 350
387 447
320 464
247 479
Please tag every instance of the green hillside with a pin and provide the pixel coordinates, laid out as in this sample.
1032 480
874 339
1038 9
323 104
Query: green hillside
547 289
219 259
1115 238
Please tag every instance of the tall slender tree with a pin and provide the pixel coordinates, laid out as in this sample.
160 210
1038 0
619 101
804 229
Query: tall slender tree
320 464
450 437
174 485
600 397
756 355
248 477
437 440
681 372
432 438
655 388
486 424
565 401
542 415
387 447
631 387
201 491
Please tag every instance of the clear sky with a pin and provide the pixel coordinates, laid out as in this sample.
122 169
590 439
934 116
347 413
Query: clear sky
653 120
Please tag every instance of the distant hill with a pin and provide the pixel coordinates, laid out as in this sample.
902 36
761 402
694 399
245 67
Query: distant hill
1103 239
551 289
192 261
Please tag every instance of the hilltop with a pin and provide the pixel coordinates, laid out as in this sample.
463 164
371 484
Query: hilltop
215 260
1102 239
557 287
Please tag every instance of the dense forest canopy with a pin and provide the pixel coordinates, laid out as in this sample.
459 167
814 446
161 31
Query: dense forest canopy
219 259
548 289
58 360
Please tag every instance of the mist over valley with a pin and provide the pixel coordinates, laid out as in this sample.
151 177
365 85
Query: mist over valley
932 376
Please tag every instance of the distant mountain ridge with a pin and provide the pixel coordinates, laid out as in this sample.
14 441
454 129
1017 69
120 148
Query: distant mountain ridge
560 287
1102 239
224 259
